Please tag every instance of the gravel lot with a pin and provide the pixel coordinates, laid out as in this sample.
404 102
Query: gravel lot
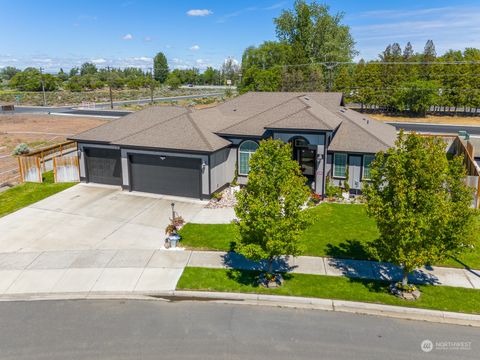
37 131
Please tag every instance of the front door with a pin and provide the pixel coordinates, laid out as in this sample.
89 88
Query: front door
307 161
305 155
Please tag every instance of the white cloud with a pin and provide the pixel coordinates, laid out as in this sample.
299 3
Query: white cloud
147 38
127 37
447 28
224 18
99 61
405 13
143 58
199 12
194 48
275 6
43 60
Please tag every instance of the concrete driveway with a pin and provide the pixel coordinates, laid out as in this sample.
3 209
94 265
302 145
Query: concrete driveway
87 217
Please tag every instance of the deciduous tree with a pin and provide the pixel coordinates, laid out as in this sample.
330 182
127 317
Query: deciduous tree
269 208
420 203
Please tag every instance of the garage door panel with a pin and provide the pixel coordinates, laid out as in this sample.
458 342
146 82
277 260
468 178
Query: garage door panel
168 175
104 166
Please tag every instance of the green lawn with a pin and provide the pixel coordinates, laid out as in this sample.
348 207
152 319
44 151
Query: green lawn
28 193
330 287
339 230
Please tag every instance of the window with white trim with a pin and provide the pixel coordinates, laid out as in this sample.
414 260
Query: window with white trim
246 150
339 165
367 162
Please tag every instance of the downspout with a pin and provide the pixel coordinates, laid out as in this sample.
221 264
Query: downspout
209 175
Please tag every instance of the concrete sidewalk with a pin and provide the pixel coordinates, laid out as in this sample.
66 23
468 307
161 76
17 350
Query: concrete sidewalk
341 267
98 271
149 271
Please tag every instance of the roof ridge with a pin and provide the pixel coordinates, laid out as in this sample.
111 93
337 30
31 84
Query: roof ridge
148 128
323 108
257 114
286 116
200 132
365 130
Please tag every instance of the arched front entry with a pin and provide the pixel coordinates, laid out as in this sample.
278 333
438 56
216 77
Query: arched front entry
305 155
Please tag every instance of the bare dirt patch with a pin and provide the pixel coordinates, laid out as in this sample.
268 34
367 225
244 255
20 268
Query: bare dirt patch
451 120
37 131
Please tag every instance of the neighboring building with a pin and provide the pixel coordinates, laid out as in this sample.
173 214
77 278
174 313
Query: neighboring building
194 153
475 143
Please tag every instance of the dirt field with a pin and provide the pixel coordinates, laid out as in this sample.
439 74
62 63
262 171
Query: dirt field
37 131
452 120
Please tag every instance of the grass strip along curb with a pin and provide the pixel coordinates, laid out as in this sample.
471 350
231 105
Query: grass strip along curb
443 298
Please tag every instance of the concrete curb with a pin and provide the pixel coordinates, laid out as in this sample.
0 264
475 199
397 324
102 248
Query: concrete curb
398 312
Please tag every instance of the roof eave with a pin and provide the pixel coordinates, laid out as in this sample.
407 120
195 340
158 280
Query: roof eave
297 129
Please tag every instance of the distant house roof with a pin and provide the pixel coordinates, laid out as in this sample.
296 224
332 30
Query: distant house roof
251 114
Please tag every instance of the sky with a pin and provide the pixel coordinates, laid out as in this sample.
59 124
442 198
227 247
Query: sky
53 34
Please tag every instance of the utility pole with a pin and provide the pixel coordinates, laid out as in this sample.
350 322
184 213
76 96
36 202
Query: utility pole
43 87
110 87
330 66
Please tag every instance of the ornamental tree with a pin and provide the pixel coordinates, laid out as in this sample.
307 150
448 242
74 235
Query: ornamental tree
420 203
269 207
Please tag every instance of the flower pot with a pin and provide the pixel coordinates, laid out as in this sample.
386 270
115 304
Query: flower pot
173 240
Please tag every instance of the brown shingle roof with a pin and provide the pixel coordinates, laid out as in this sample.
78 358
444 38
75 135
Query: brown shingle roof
130 124
163 127
251 114
255 125
180 133
362 133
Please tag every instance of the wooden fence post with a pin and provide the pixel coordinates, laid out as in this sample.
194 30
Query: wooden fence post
478 194
54 161
19 158
40 178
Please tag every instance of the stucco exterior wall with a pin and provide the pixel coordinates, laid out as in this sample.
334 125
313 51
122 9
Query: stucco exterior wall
313 139
355 171
222 168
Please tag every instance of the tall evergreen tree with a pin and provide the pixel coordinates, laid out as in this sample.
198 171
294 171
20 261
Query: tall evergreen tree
160 67
408 52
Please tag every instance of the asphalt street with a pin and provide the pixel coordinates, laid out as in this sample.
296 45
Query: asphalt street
137 329
436 128
106 105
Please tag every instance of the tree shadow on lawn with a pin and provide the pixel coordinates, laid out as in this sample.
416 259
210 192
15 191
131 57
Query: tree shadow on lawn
349 249
237 261
249 277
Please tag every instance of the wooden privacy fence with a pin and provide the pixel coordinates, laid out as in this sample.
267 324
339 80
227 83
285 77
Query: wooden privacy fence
65 169
30 169
46 153
465 149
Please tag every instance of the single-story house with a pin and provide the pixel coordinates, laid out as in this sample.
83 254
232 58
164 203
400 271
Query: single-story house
194 153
